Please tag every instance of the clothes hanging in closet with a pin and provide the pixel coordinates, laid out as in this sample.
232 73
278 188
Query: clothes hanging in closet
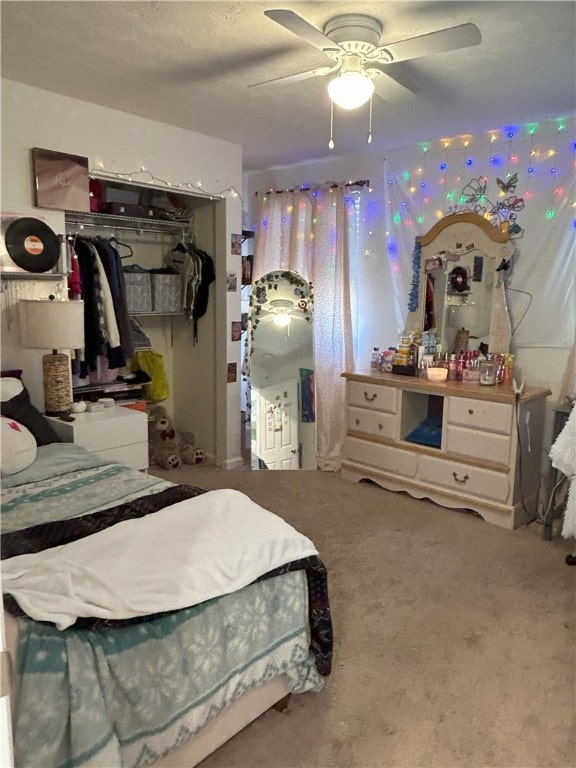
207 276
101 333
197 270
112 262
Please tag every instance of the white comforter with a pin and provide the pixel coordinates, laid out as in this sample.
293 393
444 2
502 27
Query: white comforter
180 556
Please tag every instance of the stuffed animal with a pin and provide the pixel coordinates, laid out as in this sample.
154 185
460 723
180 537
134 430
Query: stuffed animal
168 447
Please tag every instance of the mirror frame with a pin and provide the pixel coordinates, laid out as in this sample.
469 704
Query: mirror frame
460 233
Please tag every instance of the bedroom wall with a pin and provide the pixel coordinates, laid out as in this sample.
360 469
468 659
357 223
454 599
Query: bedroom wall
547 244
124 143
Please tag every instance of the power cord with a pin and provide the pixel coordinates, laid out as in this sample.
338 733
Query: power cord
559 483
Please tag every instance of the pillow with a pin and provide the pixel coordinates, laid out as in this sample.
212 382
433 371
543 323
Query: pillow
20 408
9 387
18 446
13 374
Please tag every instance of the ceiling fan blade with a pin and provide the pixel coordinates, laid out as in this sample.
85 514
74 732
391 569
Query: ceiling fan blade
390 89
450 39
299 26
295 78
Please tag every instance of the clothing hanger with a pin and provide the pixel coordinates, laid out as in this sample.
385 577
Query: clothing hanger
114 239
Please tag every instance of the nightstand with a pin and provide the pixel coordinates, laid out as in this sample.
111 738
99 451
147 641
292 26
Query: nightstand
119 434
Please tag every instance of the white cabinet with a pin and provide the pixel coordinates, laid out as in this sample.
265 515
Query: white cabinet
119 434
460 445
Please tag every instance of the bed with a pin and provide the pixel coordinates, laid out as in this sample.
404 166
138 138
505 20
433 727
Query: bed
147 618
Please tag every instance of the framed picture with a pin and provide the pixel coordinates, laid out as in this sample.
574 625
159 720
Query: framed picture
236 330
60 180
231 281
247 262
236 245
232 373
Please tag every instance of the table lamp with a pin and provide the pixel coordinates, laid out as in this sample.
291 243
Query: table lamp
52 324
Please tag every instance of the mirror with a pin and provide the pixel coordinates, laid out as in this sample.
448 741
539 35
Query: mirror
460 288
283 428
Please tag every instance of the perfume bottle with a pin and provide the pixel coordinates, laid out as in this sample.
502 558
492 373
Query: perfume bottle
452 367
488 371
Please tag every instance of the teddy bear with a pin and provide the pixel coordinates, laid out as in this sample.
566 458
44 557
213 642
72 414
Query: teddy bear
168 447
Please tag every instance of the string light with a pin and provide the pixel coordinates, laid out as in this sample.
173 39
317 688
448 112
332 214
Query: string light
155 181
526 161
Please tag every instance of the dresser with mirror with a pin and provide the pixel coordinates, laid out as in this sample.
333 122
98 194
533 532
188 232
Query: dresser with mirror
459 444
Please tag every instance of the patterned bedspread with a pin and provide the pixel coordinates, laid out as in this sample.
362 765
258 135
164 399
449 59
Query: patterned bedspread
126 693
66 481
127 696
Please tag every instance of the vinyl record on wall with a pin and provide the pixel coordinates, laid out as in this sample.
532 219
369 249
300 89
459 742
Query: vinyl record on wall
32 245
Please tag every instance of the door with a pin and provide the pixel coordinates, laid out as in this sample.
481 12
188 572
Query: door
278 434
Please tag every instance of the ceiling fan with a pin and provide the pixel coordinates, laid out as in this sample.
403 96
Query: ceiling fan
351 42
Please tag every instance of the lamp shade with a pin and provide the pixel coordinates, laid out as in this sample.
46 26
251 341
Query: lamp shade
46 324
351 89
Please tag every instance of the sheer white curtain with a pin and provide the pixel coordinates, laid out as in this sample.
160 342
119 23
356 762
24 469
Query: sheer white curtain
314 232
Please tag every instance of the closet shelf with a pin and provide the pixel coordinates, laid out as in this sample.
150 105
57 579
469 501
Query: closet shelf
132 223
32 276
105 388
157 314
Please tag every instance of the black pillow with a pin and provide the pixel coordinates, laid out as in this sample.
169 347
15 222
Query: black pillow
21 410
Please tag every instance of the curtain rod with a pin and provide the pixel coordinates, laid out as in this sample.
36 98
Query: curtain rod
329 184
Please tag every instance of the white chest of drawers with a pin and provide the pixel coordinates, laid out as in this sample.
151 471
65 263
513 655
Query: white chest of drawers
487 452
119 434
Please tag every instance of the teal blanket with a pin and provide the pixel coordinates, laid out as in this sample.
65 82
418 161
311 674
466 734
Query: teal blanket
126 696
67 481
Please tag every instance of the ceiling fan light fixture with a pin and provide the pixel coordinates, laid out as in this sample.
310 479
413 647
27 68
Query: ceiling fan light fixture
281 321
351 89
280 309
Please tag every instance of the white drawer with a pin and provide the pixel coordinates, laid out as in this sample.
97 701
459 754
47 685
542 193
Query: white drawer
134 456
373 396
371 423
464 479
383 457
110 428
487 446
481 414
100 430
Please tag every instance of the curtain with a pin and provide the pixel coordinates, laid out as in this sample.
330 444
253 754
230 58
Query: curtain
316 233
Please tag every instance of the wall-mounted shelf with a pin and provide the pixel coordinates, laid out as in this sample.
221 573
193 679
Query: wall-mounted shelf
132 223
105 388
156 314
32 275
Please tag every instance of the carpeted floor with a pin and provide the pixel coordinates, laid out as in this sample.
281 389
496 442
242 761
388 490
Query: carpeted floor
454 639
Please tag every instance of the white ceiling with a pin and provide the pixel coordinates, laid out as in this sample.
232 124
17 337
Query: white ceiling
190 64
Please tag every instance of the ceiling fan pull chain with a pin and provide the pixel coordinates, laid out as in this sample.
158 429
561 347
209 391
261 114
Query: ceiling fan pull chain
331 142
370 122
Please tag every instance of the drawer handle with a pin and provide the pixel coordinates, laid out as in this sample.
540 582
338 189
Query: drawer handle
370 399
460 479
380 426
357 422
470 411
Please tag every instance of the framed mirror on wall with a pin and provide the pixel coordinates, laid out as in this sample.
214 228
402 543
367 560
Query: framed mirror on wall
283 418
461 295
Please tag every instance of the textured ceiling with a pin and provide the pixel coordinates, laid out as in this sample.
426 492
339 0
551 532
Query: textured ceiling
190 64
